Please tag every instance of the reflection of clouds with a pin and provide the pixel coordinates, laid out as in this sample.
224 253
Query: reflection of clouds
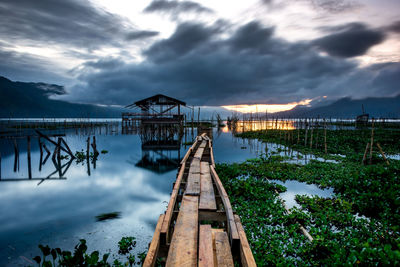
62 212
298 188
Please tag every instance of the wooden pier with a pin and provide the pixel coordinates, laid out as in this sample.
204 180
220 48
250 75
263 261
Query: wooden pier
199 227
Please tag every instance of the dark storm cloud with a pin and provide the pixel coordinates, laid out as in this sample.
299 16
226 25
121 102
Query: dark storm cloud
104 63
141 35
63 22
187 37
387 81
251 36
350 40
209 70
175 7
394 27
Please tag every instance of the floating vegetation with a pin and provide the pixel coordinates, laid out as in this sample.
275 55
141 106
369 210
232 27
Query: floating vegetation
126 244
104 151
80 257
358 225
108 216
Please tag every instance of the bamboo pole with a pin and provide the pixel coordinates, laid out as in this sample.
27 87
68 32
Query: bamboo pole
305 137
87 155
311 137
16 155
59 157
365 154
326 148
383 154
41 154
372 142
29 157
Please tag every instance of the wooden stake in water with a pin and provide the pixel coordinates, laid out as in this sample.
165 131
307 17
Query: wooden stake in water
87 155
365 154
305 138
41 154
326 148
29 158
383 154
372 142
59 157
16 156
311 138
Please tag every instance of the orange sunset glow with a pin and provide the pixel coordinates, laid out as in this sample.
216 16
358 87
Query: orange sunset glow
270 108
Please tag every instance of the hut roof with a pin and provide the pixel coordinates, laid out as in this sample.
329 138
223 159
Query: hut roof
158 100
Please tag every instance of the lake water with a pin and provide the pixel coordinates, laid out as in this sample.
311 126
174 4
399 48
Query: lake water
128 180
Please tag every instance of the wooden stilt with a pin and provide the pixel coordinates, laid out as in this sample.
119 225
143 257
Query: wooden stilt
383 154
16 155
365 154
29 157
372 142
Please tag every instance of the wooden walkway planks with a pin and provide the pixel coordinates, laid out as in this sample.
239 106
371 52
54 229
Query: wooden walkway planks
207 196
170 209
223 250
193 184
233 233
151 257
194 200
206 252
246 255
183 248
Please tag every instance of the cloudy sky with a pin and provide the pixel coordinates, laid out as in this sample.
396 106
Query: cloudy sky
208 52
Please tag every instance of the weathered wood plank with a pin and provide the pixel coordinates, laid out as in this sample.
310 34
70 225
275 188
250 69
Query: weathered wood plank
212 155
186 156
151 256
206 253
213 231
199 152
195 166
246 256
203 144
223 250
183 248
168 214
207 196
233 233
193 184
206 215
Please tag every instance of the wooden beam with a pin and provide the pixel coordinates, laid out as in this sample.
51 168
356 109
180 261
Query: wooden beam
193 184
246 256
233 233
207 196
206 253
168 214
223 250
151 257
183 248
206 215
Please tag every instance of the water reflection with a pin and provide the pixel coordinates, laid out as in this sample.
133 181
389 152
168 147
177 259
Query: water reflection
60 213
134 178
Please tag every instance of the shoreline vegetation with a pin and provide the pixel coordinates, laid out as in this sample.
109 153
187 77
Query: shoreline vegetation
358 225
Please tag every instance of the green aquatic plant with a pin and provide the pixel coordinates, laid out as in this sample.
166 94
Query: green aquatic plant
358 225
126 244
80 257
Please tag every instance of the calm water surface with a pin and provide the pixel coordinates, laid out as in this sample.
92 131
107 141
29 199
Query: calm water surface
129 180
